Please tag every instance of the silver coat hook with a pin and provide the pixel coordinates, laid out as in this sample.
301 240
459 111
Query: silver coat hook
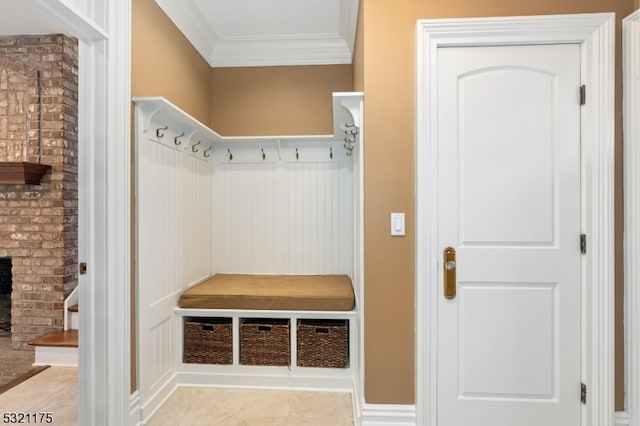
230 154
160 133
331 153
193 147
175 140
297 155
206 152
263 154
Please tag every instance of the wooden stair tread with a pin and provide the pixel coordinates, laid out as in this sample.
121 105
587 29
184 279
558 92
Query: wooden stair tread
73 308
63 339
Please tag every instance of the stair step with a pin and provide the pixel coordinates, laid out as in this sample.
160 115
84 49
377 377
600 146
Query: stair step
61 339
73 308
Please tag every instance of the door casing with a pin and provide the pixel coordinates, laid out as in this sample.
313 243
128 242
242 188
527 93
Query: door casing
595 34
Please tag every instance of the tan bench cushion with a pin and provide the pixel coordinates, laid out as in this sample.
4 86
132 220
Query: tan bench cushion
272 292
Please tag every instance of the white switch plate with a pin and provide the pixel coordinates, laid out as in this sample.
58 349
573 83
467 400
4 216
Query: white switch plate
397 224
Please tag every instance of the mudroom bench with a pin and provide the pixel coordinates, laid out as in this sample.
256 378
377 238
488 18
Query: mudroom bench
207 204
276 330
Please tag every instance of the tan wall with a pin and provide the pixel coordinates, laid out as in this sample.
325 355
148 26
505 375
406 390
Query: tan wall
276 100
165 64
389 84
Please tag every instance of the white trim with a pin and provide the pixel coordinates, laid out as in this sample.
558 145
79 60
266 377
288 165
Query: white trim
104 202
631 141
188 18
117 217
388 415
621 418
73 20
135 411
595 33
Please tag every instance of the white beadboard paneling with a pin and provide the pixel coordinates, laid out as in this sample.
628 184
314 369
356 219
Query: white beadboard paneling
173 237
283 216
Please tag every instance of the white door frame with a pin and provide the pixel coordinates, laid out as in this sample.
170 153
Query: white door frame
631 112
595 34
103 29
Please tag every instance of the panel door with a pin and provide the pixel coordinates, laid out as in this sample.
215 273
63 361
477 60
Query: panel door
509 205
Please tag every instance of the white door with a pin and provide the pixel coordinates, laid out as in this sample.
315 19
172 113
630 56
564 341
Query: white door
509 205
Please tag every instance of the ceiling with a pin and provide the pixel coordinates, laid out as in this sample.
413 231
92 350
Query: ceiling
237 33
23 18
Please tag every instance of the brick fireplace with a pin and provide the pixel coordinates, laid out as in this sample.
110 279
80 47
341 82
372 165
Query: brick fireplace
39 222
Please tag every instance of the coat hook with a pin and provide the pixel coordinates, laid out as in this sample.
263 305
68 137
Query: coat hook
175 140
230 154
206 152
159 132
331 153
263 154
297 155
193 147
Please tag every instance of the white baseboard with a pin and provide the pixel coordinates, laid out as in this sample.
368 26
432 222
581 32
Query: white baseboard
403 415
151 404
135 412
622 418
388 415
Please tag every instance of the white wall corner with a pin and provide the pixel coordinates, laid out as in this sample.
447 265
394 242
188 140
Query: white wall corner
388 415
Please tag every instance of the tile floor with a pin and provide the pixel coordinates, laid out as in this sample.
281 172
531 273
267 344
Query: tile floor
244 407
55 390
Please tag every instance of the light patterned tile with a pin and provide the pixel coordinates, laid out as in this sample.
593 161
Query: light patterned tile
237 407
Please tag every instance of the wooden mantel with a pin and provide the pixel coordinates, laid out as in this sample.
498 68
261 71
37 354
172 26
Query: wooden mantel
21 173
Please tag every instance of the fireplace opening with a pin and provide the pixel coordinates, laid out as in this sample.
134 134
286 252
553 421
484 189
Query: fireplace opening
6 284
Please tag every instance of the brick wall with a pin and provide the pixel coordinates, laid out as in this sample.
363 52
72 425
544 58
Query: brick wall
39 223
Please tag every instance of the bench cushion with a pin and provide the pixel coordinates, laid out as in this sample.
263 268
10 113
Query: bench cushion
271 292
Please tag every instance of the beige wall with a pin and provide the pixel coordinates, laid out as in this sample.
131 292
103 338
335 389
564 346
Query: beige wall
276 100
389 85
165 64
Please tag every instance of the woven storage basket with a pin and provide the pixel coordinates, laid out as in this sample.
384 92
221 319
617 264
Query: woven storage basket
323 343
208 341
264 342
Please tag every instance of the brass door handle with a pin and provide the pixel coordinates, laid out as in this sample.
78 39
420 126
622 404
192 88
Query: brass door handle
449 263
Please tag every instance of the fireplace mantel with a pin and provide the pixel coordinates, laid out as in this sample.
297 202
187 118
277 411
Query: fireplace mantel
21 173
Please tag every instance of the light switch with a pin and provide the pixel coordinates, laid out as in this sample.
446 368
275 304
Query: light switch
397 223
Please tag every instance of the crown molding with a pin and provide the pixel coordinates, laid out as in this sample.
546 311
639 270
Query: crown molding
308 49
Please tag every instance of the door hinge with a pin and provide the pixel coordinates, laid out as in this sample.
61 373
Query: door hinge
583 243
583 94
583 393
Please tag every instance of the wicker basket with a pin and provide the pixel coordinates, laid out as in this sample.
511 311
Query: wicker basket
208 341
323 343
264 342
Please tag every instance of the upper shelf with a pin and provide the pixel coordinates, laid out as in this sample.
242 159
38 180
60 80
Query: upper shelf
156 114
